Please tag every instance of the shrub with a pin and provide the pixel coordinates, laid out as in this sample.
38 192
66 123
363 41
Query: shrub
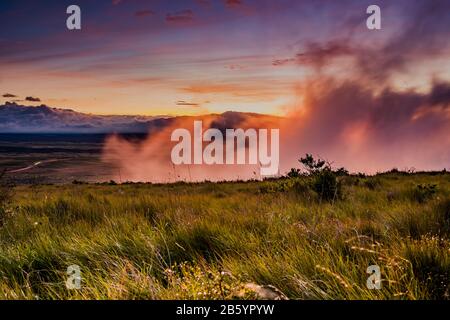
324 179
294 173
372 183
423 192
326 185
78 182
342 172
351 180
312 165
301 186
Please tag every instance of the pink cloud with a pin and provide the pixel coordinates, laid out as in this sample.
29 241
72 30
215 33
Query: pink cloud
231 3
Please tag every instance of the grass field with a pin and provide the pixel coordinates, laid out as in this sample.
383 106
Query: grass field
228 240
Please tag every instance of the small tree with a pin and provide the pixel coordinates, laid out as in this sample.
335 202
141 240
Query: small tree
325 182
341 172
312 165
294 173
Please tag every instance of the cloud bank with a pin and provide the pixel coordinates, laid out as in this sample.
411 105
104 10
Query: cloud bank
16 118
367 104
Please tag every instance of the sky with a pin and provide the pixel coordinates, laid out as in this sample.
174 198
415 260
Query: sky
369 100
193 57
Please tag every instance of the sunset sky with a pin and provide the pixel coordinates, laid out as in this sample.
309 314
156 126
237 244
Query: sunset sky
208 56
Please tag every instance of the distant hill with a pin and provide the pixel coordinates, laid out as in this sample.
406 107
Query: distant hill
15 118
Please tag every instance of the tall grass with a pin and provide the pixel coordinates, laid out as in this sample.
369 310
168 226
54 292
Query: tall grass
221 241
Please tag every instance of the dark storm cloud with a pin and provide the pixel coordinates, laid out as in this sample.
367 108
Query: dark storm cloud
388 113
366 130
424 34
365 123
9 95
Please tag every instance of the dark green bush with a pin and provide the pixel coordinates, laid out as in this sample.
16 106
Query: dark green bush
78 182
326 185
423 192
372 183
342 172
294 173
324 180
